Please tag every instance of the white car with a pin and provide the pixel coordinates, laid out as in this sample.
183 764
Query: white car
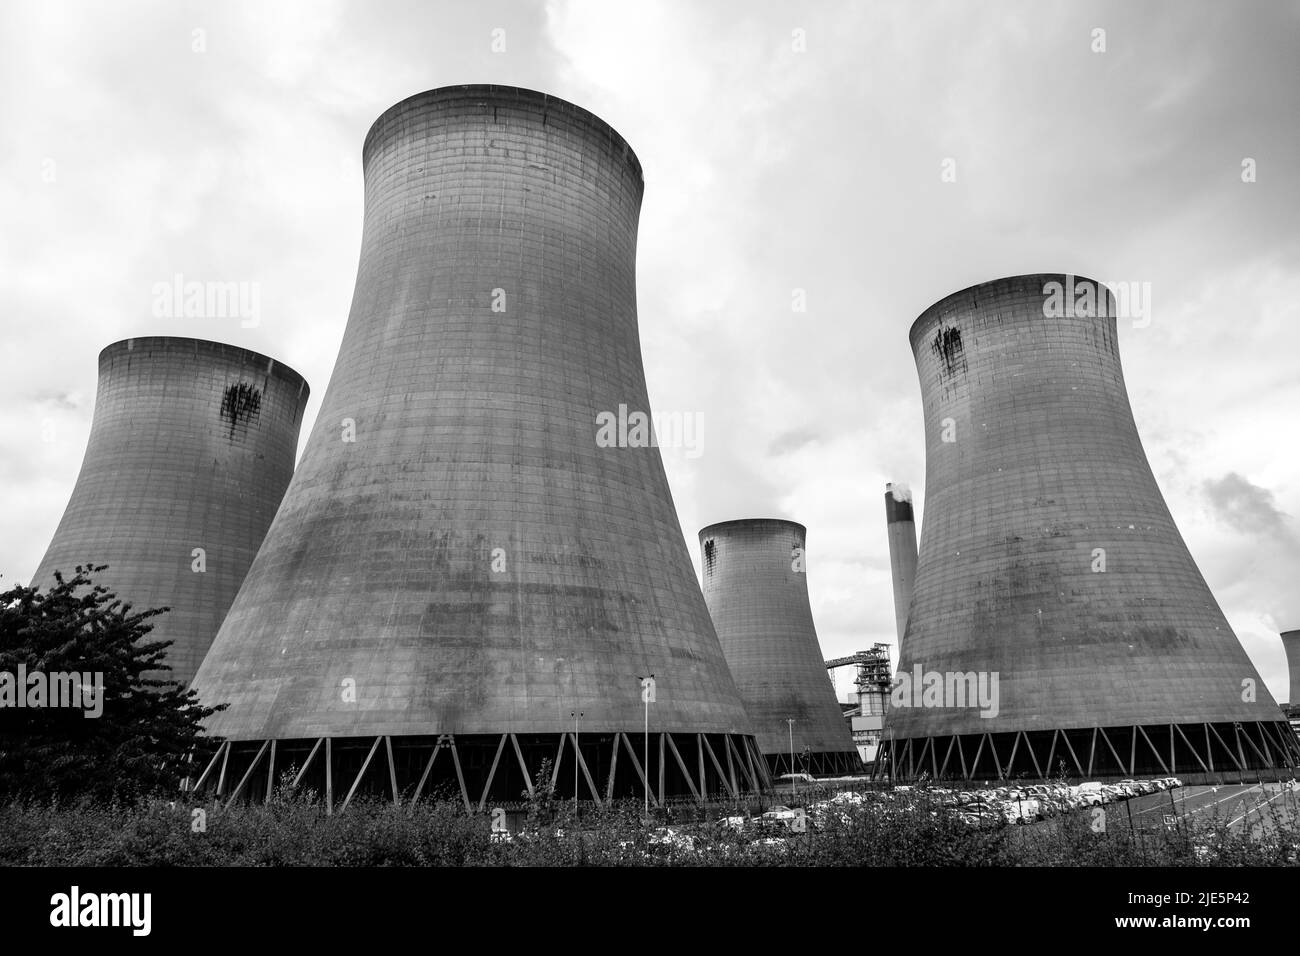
1021 811
782 815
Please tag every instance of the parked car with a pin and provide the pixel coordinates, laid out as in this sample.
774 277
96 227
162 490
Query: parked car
1020 811
782 815
1050 806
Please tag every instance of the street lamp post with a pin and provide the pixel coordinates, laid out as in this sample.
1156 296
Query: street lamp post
647 697
790 723
576 715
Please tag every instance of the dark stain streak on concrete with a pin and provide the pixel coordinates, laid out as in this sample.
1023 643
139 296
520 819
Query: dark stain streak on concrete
710 555
242 401
947 346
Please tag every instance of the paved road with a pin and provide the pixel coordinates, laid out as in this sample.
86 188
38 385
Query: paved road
1260 807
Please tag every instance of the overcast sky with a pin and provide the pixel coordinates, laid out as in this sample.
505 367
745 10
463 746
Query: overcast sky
134 148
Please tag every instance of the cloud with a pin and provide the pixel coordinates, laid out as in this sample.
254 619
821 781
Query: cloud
68 401
1247 507
767 170
793 441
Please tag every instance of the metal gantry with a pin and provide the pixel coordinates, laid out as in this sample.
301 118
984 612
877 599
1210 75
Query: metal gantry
875 672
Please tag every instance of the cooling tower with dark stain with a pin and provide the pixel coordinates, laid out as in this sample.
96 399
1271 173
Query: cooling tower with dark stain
1058 619
472 571
900 525
190 451
756 586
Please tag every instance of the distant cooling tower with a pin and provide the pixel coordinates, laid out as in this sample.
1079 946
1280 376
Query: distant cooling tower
756 586
1291 642
478 561
901 527
1057 617
190 451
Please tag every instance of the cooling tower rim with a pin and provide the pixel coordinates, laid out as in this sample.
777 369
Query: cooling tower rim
940 307
749 522
1291 635
505 93
209 347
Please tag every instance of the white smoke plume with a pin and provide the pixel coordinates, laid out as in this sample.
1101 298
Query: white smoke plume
901 491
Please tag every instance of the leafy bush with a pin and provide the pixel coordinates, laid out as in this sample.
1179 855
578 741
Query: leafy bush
295 830
149 729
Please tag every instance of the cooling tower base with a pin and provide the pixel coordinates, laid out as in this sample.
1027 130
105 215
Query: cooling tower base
1148 750
483 771
819 764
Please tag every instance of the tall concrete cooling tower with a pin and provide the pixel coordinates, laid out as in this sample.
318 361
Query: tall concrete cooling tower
473 570
756 586
1291 642
1057 617
191 448
900 525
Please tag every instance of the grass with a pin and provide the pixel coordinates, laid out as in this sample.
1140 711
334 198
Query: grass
294 830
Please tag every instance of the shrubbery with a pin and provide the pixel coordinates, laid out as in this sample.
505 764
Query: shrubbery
295 830
149 729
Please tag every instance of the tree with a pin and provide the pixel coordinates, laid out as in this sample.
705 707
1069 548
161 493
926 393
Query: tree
541 802
148 729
